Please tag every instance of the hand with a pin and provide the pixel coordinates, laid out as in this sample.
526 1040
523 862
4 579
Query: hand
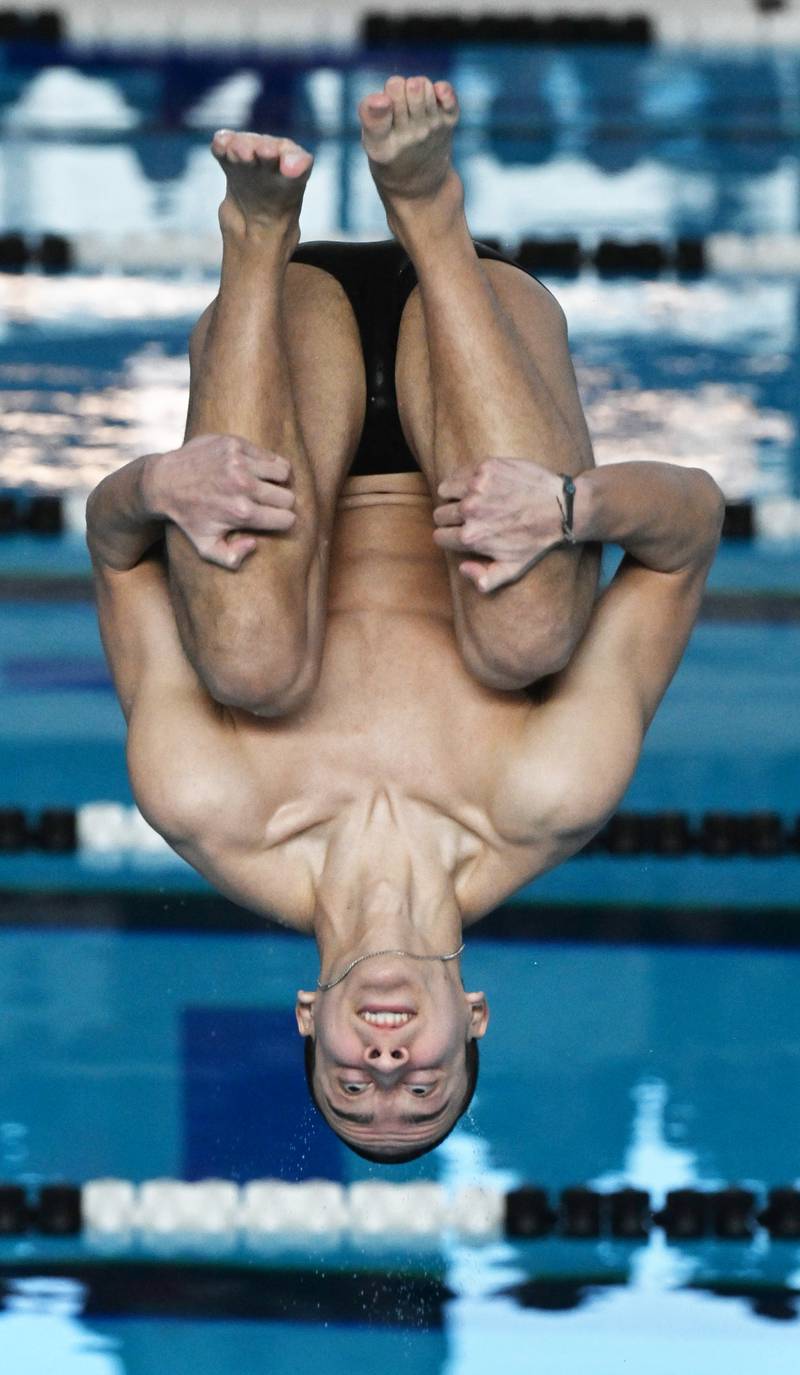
217 486
506 509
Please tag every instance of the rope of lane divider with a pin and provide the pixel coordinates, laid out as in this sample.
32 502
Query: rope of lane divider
97 828
173 1212
114 828
686 257
648 23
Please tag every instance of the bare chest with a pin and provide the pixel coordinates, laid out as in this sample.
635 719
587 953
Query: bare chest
395 715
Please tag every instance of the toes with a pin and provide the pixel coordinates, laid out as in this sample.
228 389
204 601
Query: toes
446 97
242 148
294 160
266 148
376 113
220 141
415 96
431 106
233 147
395 88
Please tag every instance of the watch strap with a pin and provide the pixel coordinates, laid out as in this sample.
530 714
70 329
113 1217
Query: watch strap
566 509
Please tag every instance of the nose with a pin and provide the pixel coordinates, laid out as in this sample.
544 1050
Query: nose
385 1057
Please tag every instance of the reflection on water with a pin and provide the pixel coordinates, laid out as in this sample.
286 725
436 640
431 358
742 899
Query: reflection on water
41 1330
649 142
622 1328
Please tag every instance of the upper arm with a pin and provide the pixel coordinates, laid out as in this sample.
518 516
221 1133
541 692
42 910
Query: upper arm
178 738
581 746
187 772
139 634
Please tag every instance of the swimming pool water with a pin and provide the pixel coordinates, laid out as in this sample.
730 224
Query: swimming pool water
164 1054
95 371
655 142
153 1052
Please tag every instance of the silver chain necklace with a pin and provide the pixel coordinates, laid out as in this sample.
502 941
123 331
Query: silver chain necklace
374 954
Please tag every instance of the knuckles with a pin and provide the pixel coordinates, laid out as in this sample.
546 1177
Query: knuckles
486 470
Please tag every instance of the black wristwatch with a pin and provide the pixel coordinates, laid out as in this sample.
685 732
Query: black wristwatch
566 509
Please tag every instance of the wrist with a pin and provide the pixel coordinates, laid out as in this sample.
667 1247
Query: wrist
153 488
585 511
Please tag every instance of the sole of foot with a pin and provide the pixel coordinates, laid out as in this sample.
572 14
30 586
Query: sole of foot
407 133
266 179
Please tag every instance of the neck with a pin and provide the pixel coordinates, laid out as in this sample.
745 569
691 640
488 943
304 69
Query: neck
382 889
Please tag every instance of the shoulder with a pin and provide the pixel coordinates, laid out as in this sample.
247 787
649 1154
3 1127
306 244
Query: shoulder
202 792
184 764
568 773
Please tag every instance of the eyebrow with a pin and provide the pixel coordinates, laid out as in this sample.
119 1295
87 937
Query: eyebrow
365 1119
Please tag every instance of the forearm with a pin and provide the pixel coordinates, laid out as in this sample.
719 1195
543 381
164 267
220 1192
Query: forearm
122 522
662 514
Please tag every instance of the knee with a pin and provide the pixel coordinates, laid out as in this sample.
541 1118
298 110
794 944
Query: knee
511 663
273 685
197 338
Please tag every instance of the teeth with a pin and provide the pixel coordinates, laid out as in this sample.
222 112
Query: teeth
387 1018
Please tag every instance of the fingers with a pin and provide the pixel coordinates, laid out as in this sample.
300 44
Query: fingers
450 537
477 573
233 446
236 549
227 552
488 577
449 514
267 493
257 516
454 487
255 472
263 463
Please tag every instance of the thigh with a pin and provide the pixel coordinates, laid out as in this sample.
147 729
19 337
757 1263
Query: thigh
326 365
251 631
540 326
527 629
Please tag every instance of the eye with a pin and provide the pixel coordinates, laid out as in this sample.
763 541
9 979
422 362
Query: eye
354 1089
420 1090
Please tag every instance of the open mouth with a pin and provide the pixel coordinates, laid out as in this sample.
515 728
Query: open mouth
386 1016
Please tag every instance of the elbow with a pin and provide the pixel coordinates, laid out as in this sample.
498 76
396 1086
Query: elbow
91 530
91 517
713 507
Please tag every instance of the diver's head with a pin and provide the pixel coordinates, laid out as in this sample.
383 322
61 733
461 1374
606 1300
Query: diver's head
391 1054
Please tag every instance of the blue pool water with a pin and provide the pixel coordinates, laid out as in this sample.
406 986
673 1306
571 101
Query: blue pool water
161 1054
144 1031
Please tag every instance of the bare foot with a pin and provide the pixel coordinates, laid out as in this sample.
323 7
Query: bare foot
266 180
407 132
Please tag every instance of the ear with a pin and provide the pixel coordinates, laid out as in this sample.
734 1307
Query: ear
304 1012
478 1014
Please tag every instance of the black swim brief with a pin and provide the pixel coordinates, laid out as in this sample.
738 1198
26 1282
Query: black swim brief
378 279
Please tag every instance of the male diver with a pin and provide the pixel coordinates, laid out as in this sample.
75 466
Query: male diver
353 621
